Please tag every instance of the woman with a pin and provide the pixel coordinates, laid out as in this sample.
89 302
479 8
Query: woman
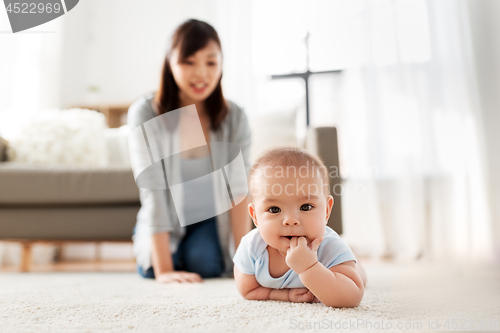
164 250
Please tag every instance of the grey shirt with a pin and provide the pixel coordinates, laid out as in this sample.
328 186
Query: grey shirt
158 213
202 196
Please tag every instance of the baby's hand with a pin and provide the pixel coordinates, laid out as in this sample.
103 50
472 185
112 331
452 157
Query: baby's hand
299 256
300 295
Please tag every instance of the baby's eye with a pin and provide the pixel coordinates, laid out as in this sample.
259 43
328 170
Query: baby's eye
306 207
274 210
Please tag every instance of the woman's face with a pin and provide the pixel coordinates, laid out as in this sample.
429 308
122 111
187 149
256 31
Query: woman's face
197 75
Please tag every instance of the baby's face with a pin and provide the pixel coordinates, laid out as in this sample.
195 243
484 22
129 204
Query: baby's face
283 207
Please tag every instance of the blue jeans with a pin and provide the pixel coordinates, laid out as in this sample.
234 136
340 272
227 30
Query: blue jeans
198 252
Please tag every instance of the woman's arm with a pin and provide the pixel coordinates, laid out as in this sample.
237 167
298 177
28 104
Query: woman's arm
160 253
241 224
163 264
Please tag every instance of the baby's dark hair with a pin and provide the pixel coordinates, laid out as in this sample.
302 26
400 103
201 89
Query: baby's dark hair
291 157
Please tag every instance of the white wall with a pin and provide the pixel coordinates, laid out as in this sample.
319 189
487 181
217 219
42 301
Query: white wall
119 46
485 29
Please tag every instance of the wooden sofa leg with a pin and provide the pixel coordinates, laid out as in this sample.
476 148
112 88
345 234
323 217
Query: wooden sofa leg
26 257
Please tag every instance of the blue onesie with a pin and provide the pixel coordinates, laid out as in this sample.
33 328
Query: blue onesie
252 258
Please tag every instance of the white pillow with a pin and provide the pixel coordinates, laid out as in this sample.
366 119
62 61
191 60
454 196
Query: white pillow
117 145
271 130
68 137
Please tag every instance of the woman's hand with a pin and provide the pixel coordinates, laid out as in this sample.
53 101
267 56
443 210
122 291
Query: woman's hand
161 258
178 276
300 295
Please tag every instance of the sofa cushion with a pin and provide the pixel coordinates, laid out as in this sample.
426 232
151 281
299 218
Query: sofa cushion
322 141
117 145
25 184
93 222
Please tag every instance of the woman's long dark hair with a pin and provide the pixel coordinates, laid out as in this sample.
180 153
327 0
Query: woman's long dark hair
190 37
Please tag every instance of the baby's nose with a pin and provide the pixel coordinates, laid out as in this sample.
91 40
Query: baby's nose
291 221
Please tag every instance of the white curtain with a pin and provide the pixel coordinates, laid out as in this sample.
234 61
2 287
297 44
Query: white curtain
29 70
409 129
407 112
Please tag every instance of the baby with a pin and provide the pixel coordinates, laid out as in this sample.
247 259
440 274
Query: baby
292 255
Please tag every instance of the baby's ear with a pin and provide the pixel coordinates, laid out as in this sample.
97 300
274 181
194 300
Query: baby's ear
329 205
251 211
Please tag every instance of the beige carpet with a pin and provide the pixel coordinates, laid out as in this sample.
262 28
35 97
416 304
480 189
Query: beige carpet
421 296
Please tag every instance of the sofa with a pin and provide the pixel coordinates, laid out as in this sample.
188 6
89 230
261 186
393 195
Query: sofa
56 203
